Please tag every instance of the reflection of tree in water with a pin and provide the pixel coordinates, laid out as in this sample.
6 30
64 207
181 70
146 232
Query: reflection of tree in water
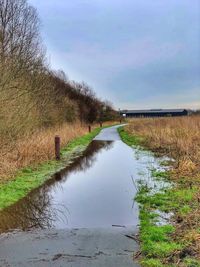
38 210
34 211
86 160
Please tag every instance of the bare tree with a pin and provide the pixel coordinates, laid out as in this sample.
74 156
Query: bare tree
20 43
31 95
19 32
22 64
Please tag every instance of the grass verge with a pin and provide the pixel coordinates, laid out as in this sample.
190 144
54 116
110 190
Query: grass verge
31 177
169 235
131 140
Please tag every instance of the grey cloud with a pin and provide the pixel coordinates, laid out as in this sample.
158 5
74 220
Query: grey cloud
133 51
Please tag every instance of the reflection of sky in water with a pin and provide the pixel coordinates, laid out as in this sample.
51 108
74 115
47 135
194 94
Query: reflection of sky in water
147 163
155 185
97 190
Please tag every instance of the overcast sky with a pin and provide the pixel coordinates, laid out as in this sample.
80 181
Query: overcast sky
135 53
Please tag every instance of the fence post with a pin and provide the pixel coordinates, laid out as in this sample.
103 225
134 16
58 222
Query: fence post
57 147
89 128
100 124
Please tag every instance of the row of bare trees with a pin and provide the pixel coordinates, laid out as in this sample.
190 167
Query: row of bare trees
31 95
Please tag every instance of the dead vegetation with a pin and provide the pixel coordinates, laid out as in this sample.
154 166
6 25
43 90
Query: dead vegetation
37 147
179 139
35 101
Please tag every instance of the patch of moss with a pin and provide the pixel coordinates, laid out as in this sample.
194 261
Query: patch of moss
32 177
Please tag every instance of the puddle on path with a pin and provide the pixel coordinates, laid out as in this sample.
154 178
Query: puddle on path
97 190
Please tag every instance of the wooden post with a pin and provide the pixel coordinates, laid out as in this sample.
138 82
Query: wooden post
120 121
100 124
89 128
57 147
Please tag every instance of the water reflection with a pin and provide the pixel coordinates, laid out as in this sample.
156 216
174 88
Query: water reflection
96 190
34 211
40 208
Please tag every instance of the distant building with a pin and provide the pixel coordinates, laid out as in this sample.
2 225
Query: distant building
154 113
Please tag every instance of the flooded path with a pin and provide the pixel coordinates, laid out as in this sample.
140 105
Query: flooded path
95 192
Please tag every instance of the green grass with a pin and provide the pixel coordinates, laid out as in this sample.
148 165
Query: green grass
166 163
171 199
157 241
32 177
152 263
157 174
129 139
189 262
82 141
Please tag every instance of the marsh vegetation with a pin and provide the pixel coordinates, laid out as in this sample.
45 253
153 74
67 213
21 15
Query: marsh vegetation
177 243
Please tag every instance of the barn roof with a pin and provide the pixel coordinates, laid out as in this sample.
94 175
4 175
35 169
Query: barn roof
152 111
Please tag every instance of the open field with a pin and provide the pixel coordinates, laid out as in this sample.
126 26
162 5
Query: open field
177 138
177 242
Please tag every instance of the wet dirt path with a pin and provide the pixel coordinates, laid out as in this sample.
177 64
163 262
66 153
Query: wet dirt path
83 216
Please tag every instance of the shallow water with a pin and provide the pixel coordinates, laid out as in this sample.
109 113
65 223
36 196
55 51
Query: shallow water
96 190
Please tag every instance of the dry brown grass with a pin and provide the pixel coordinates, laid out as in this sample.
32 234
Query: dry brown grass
178 138
36 148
